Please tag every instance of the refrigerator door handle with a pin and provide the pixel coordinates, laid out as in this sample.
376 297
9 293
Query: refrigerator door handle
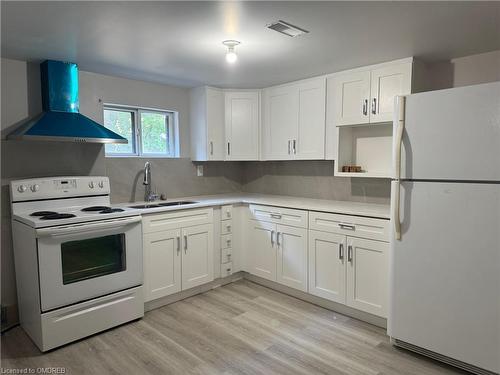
399 125
395 207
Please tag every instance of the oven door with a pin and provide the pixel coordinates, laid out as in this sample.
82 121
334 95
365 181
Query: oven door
84 261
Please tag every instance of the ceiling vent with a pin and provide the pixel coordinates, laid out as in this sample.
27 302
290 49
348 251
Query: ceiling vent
287 28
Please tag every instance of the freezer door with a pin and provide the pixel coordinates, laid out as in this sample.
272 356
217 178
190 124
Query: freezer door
453 134
445 271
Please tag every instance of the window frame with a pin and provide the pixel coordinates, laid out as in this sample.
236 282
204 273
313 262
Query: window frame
172 125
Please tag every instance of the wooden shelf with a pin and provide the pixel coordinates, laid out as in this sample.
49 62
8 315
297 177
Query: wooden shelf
364 174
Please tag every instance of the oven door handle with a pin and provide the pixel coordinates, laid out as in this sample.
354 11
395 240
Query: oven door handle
84 227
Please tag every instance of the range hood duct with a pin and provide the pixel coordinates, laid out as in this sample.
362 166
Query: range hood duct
60 119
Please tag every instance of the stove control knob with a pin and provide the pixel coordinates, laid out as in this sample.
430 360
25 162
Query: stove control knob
91 184
22 188
101 184
35 188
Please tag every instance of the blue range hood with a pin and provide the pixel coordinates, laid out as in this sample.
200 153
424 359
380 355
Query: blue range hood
61 120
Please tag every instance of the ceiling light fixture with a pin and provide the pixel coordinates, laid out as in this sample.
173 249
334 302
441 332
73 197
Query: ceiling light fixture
231 56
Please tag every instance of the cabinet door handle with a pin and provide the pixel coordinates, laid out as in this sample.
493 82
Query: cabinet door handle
341 251
178 245
365 107
185 243
228 227
276 216
278 239
228 148
228 242
294 146
374 106
211 148
347 226
272 238
289 147
349 253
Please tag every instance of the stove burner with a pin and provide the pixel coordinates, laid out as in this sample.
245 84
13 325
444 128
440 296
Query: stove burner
57 216
110 210
43 213
95 208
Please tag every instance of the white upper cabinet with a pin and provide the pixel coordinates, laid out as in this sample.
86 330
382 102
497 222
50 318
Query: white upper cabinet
387 83
215 124
364 96
280 121
207 124
242 125
310 142
294 120
359 116
351 93
300 120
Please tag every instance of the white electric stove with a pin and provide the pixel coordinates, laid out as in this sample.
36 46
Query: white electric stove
78 259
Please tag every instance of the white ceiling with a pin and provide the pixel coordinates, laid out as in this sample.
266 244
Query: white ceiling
180 42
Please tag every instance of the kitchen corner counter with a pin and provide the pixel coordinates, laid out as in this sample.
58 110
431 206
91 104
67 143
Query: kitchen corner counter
381 211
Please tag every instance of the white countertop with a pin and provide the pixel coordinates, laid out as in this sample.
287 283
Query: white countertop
341 207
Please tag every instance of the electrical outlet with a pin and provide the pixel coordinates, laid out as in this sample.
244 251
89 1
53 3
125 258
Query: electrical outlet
199 170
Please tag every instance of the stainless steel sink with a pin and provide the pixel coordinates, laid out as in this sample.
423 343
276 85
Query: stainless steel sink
180 203
141 206
165 204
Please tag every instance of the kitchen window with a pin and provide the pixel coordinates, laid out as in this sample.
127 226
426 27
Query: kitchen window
150 132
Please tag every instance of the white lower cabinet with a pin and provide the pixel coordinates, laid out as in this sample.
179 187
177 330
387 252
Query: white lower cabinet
291 244
278 253
162 264
330 260
197 256
327 273
367 275
348 270
178 251
262 250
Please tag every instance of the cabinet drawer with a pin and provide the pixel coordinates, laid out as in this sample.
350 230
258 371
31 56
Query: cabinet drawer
176 219
226 226
364 227
279 215
226 241
226 212
226 269
226 255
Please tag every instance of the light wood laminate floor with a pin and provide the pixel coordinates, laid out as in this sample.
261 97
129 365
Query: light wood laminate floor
240 328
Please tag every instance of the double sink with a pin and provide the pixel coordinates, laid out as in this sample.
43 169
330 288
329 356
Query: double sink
165 204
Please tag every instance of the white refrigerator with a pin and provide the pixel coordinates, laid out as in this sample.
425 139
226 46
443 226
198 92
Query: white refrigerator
445 245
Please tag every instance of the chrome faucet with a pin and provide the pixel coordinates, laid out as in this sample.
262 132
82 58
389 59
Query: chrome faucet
149 195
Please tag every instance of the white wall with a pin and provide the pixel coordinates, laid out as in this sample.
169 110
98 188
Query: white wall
465 71
95 87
